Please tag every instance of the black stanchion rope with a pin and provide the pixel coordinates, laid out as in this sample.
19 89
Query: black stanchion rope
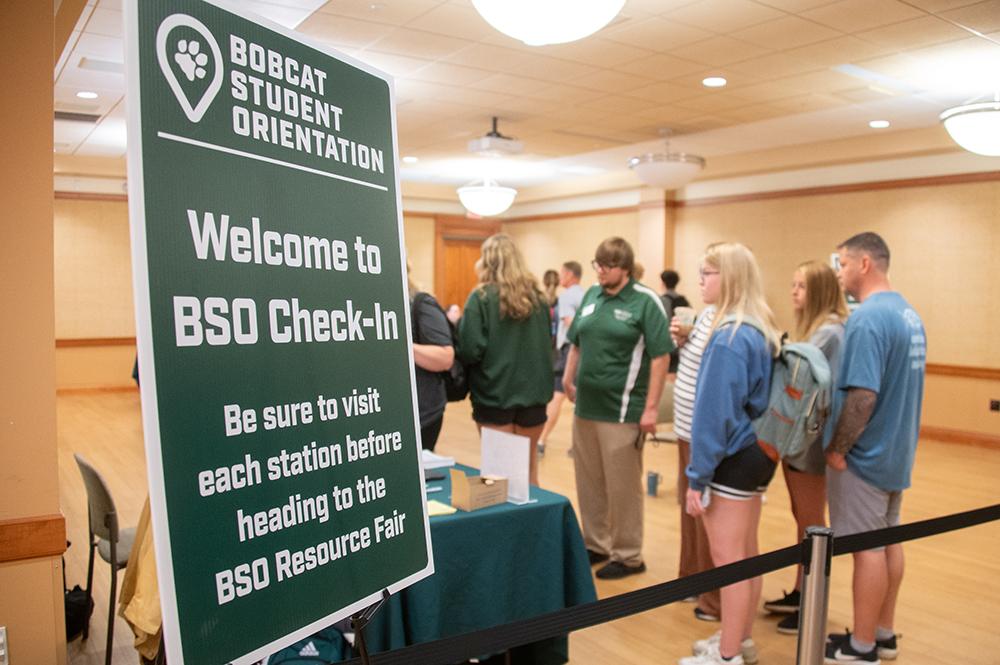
554 624
500 638
898 534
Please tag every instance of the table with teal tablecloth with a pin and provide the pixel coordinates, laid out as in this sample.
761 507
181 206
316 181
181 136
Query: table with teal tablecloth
492 566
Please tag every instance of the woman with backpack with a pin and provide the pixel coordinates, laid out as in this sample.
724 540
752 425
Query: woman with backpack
505 341
433 353
729 470
820 315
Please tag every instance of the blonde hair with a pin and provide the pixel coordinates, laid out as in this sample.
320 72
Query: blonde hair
551 280
501 264
824 300
742 289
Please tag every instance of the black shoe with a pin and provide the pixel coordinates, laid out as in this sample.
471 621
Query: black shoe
839 650
702 615
616 570
887 648
790 624
595 557
786 604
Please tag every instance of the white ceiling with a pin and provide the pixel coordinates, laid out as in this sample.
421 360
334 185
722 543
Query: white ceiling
799 71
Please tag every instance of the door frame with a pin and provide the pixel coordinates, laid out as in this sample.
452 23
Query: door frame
464 228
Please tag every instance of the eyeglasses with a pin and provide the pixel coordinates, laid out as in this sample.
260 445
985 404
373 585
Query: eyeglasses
706 273
601 267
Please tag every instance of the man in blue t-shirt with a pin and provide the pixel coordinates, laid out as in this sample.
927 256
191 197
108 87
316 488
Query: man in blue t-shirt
876 409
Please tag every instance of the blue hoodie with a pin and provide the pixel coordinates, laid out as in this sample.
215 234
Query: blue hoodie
733 388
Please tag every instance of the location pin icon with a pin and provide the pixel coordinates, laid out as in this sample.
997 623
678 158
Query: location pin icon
191 57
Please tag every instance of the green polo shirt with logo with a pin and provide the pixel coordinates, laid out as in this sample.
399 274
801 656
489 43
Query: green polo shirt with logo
618 336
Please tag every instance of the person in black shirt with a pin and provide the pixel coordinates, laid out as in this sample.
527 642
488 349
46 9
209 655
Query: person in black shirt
671 300
433 353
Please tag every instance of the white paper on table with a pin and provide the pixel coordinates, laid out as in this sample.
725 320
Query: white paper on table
430 460
506 455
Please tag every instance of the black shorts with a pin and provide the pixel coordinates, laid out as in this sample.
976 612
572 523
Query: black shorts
522 416
743 475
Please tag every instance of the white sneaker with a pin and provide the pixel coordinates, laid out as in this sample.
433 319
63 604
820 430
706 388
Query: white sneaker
711 657
748 648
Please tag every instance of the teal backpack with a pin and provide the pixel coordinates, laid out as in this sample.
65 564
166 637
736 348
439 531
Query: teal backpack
799 401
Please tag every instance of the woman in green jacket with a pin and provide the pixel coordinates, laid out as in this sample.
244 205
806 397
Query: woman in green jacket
504 339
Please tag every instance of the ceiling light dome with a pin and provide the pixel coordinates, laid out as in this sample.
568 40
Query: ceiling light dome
540 22
486 198
667 170
975 127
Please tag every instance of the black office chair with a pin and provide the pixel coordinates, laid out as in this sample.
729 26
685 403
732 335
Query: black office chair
113 544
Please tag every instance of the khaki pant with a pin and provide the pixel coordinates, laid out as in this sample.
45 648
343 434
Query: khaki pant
696 557
608 466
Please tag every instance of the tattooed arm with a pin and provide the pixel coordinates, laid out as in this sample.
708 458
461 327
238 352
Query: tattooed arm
857 411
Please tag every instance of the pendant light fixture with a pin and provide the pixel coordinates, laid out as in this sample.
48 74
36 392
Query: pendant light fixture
667 170
486 197
975 126
541 22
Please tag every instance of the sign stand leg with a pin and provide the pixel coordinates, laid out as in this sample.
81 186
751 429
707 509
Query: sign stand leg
361 620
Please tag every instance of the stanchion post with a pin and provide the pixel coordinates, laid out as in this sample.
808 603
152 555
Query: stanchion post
817 549
360 621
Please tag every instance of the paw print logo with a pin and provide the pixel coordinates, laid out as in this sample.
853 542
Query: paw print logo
185 63
190 59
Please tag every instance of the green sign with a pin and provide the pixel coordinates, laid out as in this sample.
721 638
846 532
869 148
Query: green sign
273 331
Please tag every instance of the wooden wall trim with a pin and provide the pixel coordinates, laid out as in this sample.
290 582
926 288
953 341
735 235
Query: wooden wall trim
964 371
90 196
76 342
930 181
97 390
648 205
948 435
32 537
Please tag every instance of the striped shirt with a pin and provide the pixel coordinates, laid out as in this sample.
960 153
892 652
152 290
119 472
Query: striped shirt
687 373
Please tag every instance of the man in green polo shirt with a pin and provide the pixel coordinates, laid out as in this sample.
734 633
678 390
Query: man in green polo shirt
615 373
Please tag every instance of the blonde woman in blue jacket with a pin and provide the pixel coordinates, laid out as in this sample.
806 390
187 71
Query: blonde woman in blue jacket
729 471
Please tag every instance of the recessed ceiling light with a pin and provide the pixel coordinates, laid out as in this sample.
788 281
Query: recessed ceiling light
410 159
713 82
86 94
878 124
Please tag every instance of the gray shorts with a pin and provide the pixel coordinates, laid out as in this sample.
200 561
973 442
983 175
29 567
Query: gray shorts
856 506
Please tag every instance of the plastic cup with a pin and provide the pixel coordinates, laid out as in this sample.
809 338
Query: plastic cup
684 316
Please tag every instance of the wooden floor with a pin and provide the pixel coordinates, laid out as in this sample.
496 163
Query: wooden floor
949 605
